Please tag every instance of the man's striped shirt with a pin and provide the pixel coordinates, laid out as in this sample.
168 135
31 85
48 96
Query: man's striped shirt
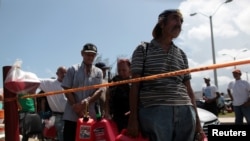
162 91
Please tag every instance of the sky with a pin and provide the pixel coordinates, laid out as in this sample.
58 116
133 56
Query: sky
45 34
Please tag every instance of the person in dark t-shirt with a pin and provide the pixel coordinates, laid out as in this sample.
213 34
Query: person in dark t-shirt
118 96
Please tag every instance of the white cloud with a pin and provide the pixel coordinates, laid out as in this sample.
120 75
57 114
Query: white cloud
201 32
243 20
231 33
226 31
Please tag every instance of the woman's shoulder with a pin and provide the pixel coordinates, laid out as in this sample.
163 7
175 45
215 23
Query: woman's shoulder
116 78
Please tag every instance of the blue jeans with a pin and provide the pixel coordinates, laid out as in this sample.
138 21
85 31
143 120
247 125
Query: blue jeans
59 124
240 113
168 123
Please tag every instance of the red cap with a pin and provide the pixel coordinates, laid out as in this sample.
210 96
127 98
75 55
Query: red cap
237 71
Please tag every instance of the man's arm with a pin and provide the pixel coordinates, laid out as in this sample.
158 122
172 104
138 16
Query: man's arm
70 97
83 105
77 108
199 129
95 96
133 125
230 94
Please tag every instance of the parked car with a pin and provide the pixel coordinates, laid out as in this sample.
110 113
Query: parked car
207 118
200 103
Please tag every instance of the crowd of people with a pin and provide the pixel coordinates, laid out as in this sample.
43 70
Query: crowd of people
169 101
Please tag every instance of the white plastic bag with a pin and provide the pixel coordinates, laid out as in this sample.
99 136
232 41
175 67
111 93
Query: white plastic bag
50 122
18 81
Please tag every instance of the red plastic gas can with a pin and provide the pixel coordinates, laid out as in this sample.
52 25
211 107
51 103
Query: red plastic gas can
123 137
105 130
84 130
49 133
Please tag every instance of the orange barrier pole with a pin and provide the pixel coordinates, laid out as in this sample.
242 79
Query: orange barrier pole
11 117
174 73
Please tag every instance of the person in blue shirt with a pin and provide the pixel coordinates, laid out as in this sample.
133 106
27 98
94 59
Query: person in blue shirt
80 75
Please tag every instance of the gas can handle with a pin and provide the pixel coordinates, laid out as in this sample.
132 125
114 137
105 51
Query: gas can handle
86 112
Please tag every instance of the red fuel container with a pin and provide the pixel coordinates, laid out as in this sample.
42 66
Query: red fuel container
84 130
105 130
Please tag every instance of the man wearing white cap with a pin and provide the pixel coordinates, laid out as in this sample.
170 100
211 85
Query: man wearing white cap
210 95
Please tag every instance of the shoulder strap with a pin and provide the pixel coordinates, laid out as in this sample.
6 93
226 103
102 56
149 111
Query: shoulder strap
144 50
